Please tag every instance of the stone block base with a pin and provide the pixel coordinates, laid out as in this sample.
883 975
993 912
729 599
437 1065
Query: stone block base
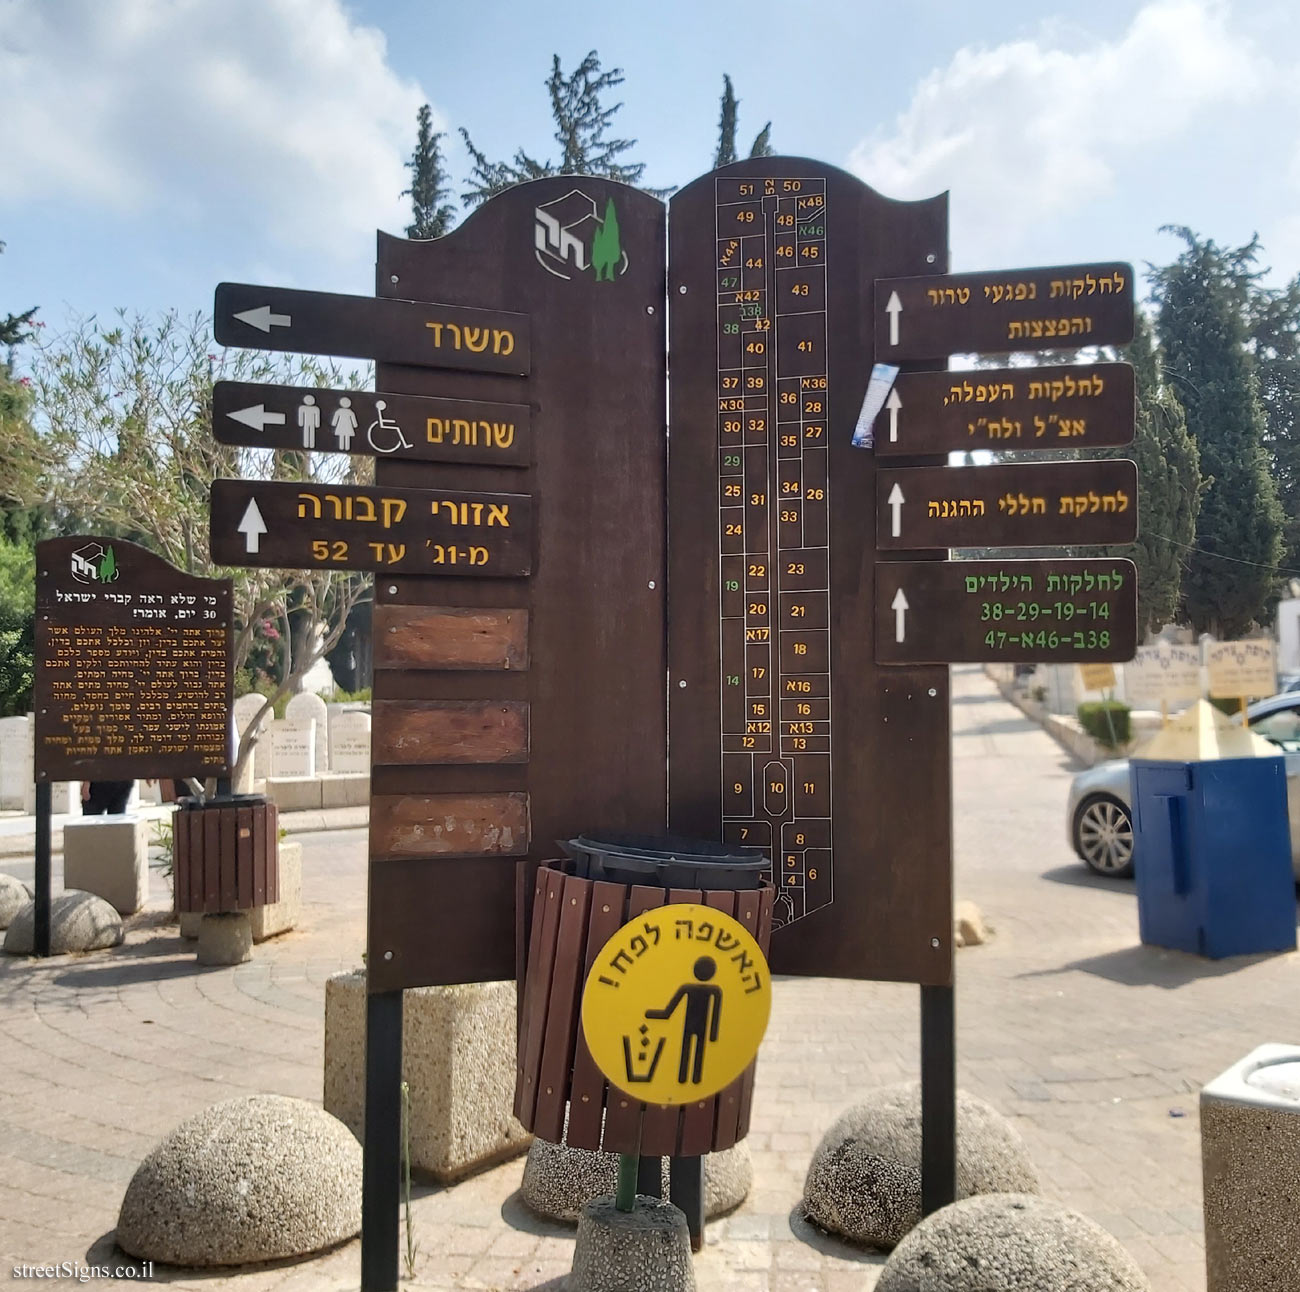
294 793
458 1057
225 939
1250 1160
276 917
647 1248
108 856
281 916
345 789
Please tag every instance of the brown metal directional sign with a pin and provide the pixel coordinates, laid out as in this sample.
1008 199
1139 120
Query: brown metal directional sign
1055 308
287 525
1071 406
368 327
1007 505
976 612
376 423
133 672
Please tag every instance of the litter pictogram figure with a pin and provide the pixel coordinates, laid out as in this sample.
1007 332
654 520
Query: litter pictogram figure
703 1012
658 989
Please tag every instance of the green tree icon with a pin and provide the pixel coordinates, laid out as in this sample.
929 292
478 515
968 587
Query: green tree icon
108 567
606 248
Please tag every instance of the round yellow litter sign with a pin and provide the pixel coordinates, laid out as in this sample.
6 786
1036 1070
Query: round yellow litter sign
676 1004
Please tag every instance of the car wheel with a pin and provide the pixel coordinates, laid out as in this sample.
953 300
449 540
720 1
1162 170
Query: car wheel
1103 836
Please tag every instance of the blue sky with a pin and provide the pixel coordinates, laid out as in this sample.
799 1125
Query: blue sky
156 147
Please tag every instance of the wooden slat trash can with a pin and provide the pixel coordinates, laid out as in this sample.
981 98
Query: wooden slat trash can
578 903
225 854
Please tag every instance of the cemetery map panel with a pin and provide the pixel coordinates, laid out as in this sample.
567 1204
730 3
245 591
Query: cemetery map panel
773 530
133 673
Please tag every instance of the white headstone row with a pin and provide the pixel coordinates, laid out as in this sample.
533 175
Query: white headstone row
340 738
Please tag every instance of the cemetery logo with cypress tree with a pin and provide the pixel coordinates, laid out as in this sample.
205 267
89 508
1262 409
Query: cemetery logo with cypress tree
573 239
94 563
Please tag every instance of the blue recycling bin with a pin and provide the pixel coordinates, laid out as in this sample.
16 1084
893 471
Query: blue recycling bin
1212 852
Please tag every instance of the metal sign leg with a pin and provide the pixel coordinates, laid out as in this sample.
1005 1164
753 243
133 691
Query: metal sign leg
43 847
382 1145
686 1191
938 1099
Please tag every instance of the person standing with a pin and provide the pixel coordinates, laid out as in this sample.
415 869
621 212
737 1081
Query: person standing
105 798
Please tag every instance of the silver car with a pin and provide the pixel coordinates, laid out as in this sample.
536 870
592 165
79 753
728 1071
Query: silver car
1098 817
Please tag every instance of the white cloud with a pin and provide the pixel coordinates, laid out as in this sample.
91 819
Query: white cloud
1028 130
277 115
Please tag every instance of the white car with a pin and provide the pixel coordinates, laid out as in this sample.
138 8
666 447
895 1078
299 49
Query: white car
1098 815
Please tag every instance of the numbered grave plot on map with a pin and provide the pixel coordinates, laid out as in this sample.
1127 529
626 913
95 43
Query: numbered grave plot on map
1064 611
774 531
1042 409
286 525
358 421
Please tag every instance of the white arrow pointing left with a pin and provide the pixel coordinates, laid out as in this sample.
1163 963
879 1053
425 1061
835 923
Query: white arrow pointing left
262 319
894 308
893 403
900 607
257 417
896 501
252 526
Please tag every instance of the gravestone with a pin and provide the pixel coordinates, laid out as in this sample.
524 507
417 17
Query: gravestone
350 743
246 708
309 707
16 771
293 748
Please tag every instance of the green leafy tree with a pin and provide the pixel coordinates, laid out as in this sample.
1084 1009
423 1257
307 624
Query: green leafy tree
17 624
581 124
1169 486
1204 300
15 328
432 216
1275 336
123 446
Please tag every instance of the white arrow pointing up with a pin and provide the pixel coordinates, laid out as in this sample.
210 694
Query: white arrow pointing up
893 403
257 417
896 505
894 308
899 606
252 526
263 320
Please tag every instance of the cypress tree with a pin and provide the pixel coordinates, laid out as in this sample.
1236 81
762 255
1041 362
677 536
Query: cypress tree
762 145
1203 300
1275 332
726 153
431 216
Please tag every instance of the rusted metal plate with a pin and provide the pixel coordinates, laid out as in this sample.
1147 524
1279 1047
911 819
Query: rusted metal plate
1036 504
439 825
420 333
378 423
449 731
290 526
133 664
595 598
1030 410
1005 611
778 709
446 637
1057 307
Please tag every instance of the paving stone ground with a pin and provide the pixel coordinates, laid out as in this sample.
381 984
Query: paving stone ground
1093 1045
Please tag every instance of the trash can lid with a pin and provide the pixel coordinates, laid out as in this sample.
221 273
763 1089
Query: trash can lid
1281 1078
667 847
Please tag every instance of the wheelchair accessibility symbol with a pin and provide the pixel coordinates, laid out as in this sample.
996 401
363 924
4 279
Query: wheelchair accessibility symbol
676 1004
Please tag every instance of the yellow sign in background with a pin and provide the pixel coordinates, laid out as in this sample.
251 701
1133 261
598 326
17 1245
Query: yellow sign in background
676 1004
